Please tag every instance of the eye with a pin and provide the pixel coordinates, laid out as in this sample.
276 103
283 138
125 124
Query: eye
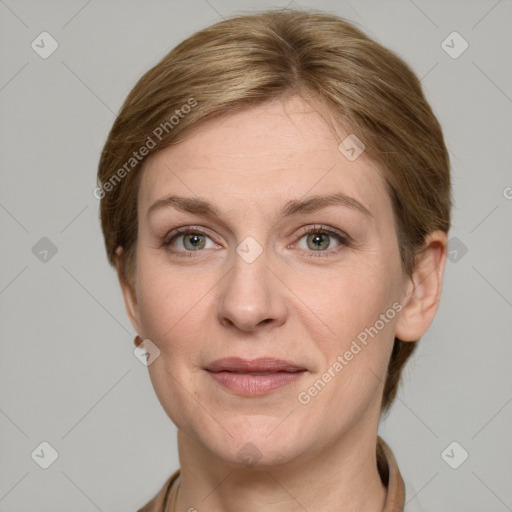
323 241
188 240
319 241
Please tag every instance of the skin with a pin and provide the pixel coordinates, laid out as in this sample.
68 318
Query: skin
289 303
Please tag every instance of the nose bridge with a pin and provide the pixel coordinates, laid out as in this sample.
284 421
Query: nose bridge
251 294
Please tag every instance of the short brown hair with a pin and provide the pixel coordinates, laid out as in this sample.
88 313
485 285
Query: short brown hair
248 59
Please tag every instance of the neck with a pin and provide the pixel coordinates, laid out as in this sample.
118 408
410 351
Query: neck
342 475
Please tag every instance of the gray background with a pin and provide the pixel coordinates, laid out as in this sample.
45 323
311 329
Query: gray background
68 375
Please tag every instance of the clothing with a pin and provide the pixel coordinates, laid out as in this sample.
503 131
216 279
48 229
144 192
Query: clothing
389 473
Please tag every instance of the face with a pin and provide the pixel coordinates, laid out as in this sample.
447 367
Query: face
252 263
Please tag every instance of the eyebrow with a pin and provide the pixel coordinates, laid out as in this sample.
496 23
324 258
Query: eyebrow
311 204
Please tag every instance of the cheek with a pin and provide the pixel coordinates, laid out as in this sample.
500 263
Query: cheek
360 309
174 308
352 298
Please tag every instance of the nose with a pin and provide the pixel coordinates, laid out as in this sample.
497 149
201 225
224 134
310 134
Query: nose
252 296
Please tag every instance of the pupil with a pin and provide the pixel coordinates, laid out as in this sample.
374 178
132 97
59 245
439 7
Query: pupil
318 241
195 239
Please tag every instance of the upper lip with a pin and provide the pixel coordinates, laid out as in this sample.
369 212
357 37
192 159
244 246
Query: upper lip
262 364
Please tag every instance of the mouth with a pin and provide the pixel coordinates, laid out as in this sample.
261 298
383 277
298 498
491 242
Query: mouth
254 377
261 365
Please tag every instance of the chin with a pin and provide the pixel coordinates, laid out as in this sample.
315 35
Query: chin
257 454
255 444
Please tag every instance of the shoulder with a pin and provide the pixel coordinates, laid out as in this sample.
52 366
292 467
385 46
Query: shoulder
158 503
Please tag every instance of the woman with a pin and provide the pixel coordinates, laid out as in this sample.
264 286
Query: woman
275 195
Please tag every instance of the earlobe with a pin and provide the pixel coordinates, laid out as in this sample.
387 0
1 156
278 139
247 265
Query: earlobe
424 289
129 294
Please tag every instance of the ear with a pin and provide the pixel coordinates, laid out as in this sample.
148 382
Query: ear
129 293
423 289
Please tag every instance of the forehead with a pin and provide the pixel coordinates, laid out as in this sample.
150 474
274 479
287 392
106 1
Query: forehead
261 157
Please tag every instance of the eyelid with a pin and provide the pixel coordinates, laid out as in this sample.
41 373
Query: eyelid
183 230
323 229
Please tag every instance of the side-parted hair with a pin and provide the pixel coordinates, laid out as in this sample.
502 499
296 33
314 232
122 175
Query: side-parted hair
355 82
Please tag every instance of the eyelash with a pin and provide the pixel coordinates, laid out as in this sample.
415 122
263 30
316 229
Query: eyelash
343 239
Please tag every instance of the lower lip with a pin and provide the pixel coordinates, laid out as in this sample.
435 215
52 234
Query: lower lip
247 384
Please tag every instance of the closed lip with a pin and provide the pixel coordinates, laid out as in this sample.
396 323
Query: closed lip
261 364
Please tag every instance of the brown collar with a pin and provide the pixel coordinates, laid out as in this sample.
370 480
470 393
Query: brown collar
391 477
386 464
